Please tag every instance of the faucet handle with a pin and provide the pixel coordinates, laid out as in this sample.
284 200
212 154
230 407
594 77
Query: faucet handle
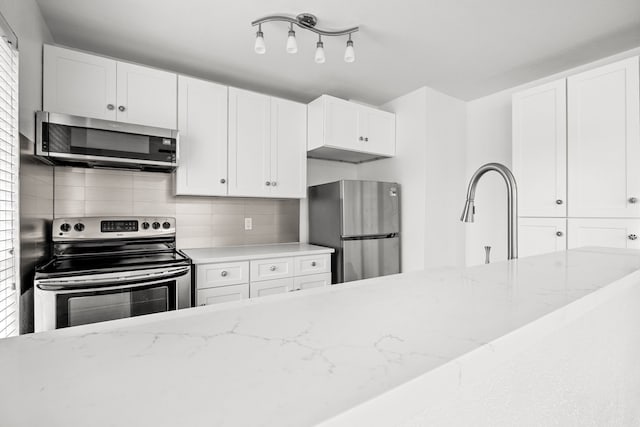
487 254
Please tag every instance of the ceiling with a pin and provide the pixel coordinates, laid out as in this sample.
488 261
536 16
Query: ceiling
465 48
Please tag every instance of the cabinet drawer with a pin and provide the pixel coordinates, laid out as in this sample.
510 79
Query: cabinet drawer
223 274
271 287
274 268
312 281
312 264
222 294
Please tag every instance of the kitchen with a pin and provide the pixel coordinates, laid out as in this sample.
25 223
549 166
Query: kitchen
397 107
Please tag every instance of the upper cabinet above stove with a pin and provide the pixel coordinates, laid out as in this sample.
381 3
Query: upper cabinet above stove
349 132
93 86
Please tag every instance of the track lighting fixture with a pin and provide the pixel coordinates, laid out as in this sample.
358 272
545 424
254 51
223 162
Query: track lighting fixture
306 21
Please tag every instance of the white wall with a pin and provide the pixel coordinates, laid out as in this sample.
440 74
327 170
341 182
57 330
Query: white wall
489 140
25 19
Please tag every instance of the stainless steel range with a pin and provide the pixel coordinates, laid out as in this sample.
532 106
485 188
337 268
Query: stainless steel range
110 268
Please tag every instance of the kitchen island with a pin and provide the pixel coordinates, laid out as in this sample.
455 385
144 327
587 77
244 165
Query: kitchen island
545 339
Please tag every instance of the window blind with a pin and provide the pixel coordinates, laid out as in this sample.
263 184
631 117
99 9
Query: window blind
9 151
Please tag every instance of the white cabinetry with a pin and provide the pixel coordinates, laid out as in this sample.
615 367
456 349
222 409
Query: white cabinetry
267 143
591 175
540 149
343 130
609 232
541 235
604 141
202 123
251 278
88 85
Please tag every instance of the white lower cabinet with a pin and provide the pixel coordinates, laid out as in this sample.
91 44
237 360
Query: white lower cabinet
231 281
541 235
221 294
270 287
607 232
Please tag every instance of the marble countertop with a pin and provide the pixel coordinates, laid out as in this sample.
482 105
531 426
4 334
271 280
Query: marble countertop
299 359
242 253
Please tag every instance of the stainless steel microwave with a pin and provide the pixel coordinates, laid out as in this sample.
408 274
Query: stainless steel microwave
72 140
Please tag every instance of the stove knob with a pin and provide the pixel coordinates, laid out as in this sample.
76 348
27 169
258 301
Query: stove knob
79 227
145 225
156 225
65 227
166 225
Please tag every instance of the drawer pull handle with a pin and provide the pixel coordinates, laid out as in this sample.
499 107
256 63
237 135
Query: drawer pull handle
110 107
121 108
632 237
633 200
313 263
559 233
224 273
559 202
272 268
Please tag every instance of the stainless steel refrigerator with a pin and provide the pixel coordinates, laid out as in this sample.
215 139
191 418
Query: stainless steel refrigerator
361 221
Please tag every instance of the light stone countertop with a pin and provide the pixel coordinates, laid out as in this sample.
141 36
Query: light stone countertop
243 253
299 359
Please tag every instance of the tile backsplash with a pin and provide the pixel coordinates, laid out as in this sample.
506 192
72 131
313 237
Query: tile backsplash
200 221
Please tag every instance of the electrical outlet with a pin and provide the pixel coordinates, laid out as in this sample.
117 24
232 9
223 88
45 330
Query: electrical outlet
248 224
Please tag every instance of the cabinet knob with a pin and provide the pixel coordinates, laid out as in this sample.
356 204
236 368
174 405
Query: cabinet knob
110 107
222 181
361 138
273 183
633 200
121 108
632 237
223 273
559 202
272 268
268 183
559 233
366 139
313 264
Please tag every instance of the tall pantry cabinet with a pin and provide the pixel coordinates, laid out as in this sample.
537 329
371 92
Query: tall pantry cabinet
576 159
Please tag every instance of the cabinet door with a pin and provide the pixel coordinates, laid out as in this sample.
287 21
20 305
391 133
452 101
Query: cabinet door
379 131
314 281
223 294
541 235
604 141
341 127
147 96
79 84
249 141
612 233
270 287
202 123
540 149
288 148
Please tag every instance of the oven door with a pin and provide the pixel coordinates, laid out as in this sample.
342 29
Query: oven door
79 300
66 138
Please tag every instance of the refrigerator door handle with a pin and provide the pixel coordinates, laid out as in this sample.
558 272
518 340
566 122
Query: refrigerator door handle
370 236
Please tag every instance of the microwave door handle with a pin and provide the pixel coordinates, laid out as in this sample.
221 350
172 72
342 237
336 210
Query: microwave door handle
91 281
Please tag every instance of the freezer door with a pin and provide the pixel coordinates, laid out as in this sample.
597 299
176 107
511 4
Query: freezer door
370 208
367 258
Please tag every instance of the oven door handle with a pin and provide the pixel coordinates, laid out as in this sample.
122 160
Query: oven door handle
89 281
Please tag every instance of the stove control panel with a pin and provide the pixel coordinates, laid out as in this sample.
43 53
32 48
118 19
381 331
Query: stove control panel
112 228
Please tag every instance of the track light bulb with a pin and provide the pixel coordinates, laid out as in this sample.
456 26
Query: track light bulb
349 53
320 52
259 46
292 44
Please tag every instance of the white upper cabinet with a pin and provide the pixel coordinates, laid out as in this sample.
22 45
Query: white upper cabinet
146 96
540 149
267 143
604 141
202 123
79 84
541 235
88 85
607 232
288 149
346 131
